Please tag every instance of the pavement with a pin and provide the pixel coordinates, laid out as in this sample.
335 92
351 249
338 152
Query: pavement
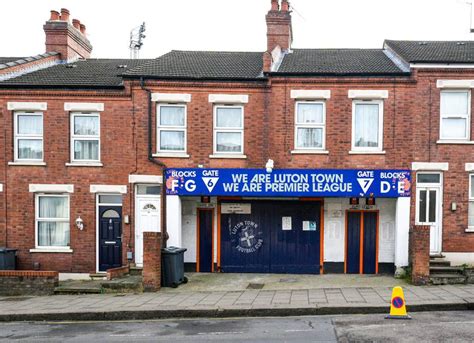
327 295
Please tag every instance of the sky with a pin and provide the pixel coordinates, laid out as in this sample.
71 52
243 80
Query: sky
233 25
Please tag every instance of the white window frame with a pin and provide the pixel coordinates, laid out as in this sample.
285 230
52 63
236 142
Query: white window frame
467 136
355 148
438 186
171 128
18 136
228 130
59 220
310 125
471 199
85 137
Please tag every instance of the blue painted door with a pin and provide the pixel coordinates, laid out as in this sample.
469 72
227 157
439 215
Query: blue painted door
110 237
257 242
370 242
205 241
353 242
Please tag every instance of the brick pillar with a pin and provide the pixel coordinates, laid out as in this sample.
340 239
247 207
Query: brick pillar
420 254
151 261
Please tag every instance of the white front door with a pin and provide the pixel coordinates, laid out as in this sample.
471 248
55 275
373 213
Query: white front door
147 219
429 208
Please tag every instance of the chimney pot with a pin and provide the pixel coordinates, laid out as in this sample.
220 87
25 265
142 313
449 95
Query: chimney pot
83 29
64 14
285 6
54 15
275 6
76 23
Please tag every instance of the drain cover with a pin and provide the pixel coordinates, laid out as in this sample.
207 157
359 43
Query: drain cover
255 285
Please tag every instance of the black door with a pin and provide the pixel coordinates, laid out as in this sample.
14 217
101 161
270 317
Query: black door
205 241
370 242
353 243
110 237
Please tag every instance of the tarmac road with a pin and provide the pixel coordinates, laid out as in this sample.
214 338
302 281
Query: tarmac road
425 327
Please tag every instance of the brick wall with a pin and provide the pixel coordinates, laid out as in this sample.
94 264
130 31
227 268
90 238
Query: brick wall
151 261
13 283
420 254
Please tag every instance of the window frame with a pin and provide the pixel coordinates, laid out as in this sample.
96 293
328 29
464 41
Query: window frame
310 126
451 116
17 136
54 220
380 104
217 130
75 137
470 199
160 128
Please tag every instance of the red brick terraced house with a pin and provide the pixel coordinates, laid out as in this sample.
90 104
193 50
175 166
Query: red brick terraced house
283 161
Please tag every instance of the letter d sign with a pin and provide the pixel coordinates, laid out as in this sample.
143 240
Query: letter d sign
384 187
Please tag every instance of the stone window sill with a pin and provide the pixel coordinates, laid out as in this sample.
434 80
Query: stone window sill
27 164
79 164
63 251
171 155
352 152
469 230
442 141
309 152
216 156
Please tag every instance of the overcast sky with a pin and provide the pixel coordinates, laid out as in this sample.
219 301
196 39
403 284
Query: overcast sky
230 25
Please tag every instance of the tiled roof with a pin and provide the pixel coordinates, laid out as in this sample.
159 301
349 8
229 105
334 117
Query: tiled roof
7 62
338 62
433 51
203 65
4 60
91 73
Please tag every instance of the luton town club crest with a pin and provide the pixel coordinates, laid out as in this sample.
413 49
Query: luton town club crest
246 237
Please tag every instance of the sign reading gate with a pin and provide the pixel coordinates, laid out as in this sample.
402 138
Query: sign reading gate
289 182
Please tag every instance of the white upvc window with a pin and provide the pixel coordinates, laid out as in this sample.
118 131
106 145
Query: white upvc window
28 136
52 221
310 125
455 120
172 128
471 203
367 125
228 129
85 137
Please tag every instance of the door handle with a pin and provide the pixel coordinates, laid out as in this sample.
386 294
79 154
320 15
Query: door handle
110 242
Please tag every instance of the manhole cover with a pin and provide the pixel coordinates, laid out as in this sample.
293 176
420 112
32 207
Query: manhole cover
255 285
289 280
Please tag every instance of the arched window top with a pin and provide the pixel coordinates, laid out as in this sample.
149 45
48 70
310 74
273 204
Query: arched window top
149 207
111 214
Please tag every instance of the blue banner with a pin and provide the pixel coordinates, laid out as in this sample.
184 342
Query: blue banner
289 183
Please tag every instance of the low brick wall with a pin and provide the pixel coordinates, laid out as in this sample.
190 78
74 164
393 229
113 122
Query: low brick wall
151 261
116 273
420 254
25 282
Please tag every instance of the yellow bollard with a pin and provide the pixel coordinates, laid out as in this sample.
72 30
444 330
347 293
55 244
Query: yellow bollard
397 305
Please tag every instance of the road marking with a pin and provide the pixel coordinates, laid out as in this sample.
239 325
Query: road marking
296 330
221 333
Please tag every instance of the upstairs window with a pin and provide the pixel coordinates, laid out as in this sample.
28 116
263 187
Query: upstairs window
85 137
28 136
310 125
455 115
367 126
229 130
171 128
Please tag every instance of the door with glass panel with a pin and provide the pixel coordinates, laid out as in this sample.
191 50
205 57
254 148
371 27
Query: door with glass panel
428 207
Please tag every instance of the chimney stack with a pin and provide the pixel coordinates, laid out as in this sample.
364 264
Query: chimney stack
279 29
68 40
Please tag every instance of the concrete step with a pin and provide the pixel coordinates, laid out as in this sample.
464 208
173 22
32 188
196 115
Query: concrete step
136 271
440 263
447 279
98 276
129 284
79 287
446 270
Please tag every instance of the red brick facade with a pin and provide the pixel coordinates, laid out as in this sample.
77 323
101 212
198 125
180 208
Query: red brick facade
420 254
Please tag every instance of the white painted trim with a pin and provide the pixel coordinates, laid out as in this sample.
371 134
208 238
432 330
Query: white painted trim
28 164
459 258
79 164
442 66
84 106
1 187
321 125
368 94
365 150
155 179
170 97
383 152
236 129
460 142
51 188
79 137
402 227
310 94
30 136
39 219
27 106
469 167
108 189
455 84
229 98
173 128
438 166
47 250
309 152
170 155
217 156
